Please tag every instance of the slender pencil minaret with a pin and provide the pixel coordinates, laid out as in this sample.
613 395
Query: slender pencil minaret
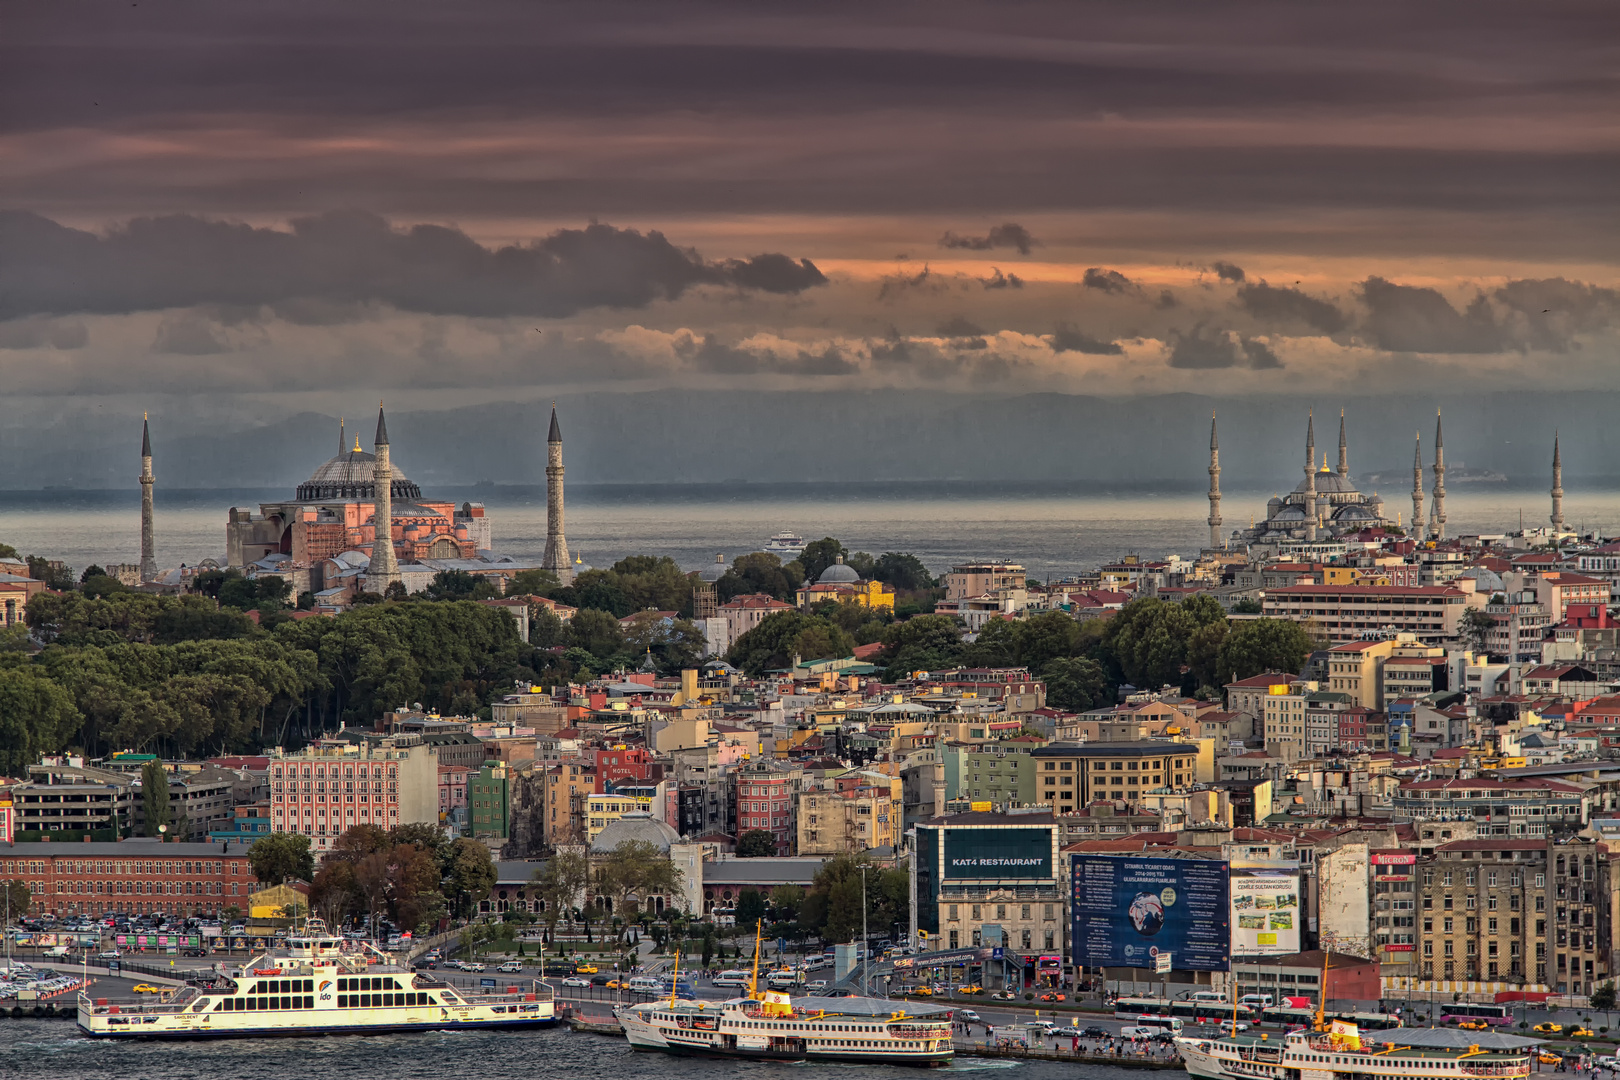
148 546
384 569
1417 488
1557 489
556 558
1310 476
343 445
1437 521
1214 486
1344 449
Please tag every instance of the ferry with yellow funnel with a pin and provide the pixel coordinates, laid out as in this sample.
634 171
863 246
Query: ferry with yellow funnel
776 1026
320 985
1339 1051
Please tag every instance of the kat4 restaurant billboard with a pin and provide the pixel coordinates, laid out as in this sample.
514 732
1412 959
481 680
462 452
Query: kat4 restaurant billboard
1129 910
998 853
1265 908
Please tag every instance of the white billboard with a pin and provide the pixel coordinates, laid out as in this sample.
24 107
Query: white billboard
1266 909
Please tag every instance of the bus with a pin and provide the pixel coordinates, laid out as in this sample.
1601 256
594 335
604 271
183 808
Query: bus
1129 1008
1159 1023
1307 1018
1132 1007
1457 1011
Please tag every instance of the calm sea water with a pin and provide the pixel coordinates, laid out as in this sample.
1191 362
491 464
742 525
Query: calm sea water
53 1050
1049 531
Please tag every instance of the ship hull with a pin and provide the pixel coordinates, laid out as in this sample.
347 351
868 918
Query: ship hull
206 1032
933 1061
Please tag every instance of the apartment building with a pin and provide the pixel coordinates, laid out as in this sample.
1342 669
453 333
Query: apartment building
1483 911
332 785
847 822
1432 613
982 578
567 785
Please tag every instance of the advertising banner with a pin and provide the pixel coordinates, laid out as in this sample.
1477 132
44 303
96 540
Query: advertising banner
1265 908
998 853
1128 910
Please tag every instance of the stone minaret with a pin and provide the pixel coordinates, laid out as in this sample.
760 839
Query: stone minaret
1557 489
148 552
1344 449
384 570
1214 486
1437 521
1310 476
556 559
343 444
1417 488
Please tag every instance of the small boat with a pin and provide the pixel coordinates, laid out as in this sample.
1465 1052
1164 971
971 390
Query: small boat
785 544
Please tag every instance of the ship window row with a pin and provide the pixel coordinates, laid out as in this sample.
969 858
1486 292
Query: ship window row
283 986
375 1001
264 1004
368 982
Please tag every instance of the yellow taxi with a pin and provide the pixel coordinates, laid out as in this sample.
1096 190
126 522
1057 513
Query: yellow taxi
920 991
970 989
615 984
1583 1033
147 988
1474 1025
584 969
1548 1029
1549 1059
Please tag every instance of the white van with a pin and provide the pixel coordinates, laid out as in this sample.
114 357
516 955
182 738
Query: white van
1138 1032
1204 997
1262 1000
781 980
644 983
733 978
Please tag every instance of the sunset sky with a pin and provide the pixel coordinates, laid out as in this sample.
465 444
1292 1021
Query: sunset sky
302 201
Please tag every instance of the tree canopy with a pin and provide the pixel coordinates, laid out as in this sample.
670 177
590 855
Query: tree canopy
781 636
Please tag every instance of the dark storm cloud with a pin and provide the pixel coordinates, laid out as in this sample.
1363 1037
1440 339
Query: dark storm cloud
998 280
1010 235
896 285
1228 271
1067 338
1409 318
959 326
1209 348
1290 307
1108 281
352 257
1548 312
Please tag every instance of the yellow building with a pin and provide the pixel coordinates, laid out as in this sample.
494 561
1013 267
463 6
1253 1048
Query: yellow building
848 822
1356 668
602 810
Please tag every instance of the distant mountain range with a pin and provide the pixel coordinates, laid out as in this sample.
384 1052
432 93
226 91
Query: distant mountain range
682 436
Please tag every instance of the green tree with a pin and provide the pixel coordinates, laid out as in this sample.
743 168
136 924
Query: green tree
1146 641
922 643
155 796
559 884
1475 627
37 716
1204 653
751 908
54 575
787 900
459 585
532 583
1077 684
468 874
760 572
1603 997
1247 606
637 869
781 636
597 632
756 843
546 629
18 897
818 555
279 856
1256 646
902 571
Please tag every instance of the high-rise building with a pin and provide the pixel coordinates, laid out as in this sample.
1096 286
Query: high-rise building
327 788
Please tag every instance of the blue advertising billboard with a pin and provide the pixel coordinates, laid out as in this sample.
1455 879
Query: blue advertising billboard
1128 910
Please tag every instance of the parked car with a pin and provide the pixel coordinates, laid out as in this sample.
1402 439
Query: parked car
816 987
146 988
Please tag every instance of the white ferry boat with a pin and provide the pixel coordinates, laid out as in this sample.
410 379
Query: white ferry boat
773 1026
785 544
317 987
1343 1054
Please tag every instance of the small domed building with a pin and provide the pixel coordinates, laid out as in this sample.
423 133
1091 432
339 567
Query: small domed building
840 583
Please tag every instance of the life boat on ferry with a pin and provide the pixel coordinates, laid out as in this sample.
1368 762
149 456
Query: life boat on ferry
267 971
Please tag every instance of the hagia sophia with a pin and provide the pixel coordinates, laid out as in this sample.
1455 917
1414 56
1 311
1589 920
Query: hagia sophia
324 537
